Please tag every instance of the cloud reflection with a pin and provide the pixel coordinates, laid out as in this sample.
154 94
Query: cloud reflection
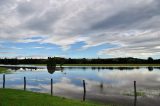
125 78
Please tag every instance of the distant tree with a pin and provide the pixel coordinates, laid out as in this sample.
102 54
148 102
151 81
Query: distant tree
51 62
62 61
150 60
84 61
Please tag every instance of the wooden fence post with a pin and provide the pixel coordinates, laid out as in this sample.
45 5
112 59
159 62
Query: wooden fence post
135 94
3 80
84 90
51 87
24 83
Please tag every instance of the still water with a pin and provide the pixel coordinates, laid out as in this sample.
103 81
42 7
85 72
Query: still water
103 84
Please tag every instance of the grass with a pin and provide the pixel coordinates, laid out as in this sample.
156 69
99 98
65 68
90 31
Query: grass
139 93
4 70
12 97
103 65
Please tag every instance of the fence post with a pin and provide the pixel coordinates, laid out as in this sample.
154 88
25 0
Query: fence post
84 90
24 83
135 94
3 80
51 87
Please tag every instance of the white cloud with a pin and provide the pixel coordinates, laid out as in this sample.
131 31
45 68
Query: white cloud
38 47
8 53
18 48
132 25
138 45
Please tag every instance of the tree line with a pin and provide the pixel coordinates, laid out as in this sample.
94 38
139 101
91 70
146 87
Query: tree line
58 60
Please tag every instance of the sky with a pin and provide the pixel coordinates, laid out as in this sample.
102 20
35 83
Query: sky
80 28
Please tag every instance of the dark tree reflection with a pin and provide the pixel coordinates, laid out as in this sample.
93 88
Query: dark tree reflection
51 69
150 68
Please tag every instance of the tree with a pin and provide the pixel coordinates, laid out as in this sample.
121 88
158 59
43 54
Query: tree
51 62
150 60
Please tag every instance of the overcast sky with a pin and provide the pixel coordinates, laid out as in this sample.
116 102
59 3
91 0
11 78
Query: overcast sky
80 28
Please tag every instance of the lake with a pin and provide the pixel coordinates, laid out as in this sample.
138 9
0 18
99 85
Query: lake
103 84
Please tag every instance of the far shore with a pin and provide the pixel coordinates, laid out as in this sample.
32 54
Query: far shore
97 65
107 65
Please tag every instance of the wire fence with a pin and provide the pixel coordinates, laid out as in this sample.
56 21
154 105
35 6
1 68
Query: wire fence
25 84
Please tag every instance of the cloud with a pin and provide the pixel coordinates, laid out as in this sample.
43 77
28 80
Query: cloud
38 47
132 26
16 48
8 53
32 56
8 50
138 45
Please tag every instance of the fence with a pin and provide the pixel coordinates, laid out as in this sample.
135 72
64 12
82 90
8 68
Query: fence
83 83
51 84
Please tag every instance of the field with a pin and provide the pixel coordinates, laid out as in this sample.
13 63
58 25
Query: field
4 70
11 97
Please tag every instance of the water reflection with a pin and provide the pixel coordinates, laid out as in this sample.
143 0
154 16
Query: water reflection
150 68
104 84
51 69
114 68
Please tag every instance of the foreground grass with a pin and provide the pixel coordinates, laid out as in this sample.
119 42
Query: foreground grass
11 97
107 65
4 70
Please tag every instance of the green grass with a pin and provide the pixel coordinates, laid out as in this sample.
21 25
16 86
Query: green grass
139 93
121 65
4 70
12 97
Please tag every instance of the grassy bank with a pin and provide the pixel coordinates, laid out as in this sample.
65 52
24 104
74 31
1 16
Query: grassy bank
107 65
3 70
11 97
